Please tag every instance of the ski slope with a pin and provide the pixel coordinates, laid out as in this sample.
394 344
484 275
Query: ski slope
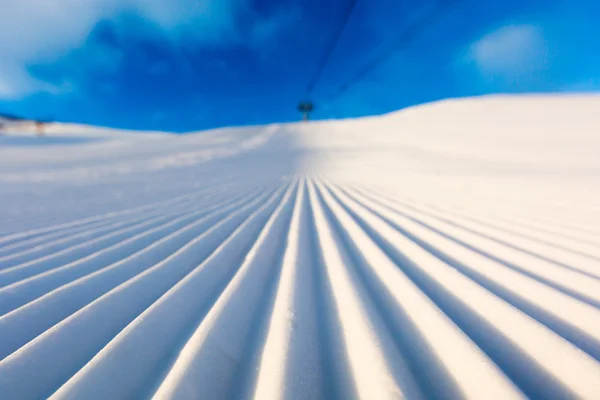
450 250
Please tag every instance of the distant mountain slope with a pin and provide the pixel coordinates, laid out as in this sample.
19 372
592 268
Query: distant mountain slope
10 126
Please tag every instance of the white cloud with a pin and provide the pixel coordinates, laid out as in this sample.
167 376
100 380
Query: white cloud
15 82
515 51
33 31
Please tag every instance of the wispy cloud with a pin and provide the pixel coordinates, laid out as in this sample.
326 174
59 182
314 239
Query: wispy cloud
513 52
41 31
15 82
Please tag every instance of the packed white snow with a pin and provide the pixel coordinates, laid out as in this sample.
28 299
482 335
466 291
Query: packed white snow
450 250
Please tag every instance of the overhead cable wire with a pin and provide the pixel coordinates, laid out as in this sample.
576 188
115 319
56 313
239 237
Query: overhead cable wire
324 60
403 38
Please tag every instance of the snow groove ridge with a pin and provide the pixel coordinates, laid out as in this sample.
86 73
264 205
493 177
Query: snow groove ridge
273 274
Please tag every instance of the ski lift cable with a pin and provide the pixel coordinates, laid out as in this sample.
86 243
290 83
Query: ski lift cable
402 39
332 44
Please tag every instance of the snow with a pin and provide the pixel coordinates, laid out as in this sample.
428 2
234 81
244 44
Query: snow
450 250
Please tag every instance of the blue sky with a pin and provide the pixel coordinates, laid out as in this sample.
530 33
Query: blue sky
183 65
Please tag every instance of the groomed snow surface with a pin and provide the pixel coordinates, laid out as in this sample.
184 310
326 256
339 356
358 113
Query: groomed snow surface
447 251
